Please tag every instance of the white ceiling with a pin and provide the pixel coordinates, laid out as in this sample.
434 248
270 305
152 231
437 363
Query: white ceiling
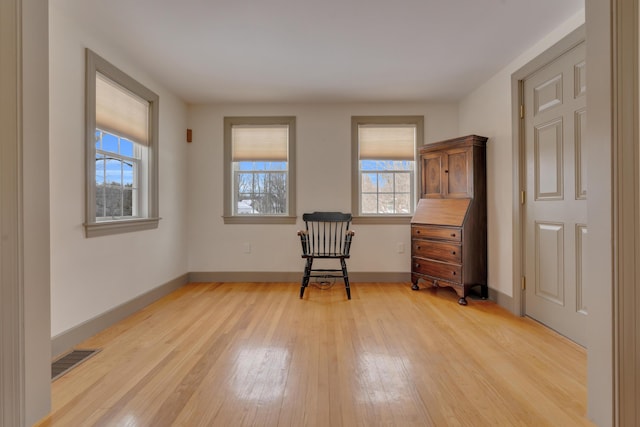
209 51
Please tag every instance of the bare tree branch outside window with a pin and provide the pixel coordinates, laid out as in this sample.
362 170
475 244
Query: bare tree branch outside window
260 189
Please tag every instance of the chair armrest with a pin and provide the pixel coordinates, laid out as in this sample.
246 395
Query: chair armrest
347 241
304 241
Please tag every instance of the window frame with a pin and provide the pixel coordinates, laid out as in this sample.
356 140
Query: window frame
149 180
356 121
228 215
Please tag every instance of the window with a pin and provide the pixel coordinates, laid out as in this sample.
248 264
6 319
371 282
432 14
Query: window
384 167
122 151
117 183
259 175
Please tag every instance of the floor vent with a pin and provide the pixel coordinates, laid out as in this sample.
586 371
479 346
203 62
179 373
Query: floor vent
68 361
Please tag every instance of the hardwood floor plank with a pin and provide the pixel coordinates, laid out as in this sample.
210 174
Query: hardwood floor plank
254 354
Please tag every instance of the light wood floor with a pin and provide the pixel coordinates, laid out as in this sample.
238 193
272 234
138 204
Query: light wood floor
248 354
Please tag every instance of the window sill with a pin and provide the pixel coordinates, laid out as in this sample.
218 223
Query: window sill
382 220
260 219
105 228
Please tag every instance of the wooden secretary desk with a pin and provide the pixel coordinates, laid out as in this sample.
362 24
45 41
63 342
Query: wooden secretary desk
449 227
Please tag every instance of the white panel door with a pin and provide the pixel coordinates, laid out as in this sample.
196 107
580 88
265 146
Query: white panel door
556 193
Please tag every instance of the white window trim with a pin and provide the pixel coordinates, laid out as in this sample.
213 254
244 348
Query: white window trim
228 216
356 121
94 228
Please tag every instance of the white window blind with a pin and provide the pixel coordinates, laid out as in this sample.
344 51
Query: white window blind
386 142
120 112
260 143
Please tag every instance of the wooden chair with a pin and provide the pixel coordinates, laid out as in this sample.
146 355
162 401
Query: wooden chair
326 236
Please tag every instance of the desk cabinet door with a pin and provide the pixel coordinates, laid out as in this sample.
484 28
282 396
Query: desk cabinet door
433 165
447 174
458 173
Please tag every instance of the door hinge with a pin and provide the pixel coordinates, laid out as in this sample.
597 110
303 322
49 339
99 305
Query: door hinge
523 197
523 283
521 111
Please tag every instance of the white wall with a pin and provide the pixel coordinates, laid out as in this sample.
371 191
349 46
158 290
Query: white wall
487 112
323 183
92 276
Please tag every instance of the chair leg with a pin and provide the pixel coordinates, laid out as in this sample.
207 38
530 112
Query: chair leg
305 277
345 276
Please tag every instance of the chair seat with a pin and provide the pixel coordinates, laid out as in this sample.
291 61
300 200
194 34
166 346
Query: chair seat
326 255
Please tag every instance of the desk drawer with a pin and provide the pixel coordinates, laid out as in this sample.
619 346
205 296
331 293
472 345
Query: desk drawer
453 234
440 251
438 270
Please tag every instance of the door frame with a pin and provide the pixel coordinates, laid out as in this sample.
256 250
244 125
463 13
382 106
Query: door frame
518 78
12 370
626 211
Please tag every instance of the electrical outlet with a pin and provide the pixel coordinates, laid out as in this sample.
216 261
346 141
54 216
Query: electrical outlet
400 248
247 248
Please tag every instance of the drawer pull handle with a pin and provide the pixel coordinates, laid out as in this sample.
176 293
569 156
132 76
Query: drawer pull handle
418 247
453 234
417 231
453 272
417 265
446 171
452 252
